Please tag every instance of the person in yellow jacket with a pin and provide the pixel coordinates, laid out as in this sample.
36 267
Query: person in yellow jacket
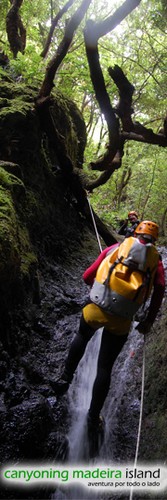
115 326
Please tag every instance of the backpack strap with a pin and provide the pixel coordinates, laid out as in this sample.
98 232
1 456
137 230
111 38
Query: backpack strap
111 270
109 274
145 282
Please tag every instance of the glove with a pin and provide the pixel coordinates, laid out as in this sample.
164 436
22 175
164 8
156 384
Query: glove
144 327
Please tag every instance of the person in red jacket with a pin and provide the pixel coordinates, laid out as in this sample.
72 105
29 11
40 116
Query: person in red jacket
115 330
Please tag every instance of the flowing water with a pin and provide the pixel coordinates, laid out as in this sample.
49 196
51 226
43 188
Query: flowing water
121 411
79 399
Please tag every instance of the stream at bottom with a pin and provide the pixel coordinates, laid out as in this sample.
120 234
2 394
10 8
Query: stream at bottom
126 372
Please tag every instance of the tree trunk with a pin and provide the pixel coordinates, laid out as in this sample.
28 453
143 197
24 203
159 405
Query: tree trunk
13 24
55 62
53 26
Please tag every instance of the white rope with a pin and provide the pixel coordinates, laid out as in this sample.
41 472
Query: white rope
94 223
141 413
143 367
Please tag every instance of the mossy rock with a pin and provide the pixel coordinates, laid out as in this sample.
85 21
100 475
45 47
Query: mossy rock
12 168
11 183
70 124
32 197
14 244
20 127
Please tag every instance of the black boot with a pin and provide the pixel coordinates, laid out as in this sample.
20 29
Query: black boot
95 426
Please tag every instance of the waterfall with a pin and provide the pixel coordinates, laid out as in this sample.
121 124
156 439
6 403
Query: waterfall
81 390
126 372
80 396
79 399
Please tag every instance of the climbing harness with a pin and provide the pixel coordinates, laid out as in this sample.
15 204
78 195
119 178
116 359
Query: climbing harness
94 223
140 418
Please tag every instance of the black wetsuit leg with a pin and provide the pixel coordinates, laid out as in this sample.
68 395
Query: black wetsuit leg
77 348
111 346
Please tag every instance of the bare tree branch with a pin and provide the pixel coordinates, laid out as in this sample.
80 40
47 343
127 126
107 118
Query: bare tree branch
53 26
123 109
62 50
163 223
126 174
136 131
92 33
116 163
102 98
104 27
51 7
112 159
141 134
22 33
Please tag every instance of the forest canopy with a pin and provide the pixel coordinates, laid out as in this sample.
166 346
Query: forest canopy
112 61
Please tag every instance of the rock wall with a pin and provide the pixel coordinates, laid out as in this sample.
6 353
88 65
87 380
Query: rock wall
41 235
45 246
33 198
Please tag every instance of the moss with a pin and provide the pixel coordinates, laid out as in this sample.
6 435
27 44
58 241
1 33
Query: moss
156 373
80 129
14 244
28 261
31 196
11 90
12 168
70 123
9 247
152 446
65 125
19 120
154 425
11 182
19 109
7 212
30 275
15 99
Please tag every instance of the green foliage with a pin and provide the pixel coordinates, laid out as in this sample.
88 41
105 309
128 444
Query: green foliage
9 244
145 192
138 46
29 67
139 49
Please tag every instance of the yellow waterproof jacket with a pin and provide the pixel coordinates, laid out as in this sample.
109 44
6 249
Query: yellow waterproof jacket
123 282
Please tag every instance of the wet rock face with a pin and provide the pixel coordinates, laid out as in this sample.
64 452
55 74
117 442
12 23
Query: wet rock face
40 232
28 424
35 334
33 423
32 420
35 204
